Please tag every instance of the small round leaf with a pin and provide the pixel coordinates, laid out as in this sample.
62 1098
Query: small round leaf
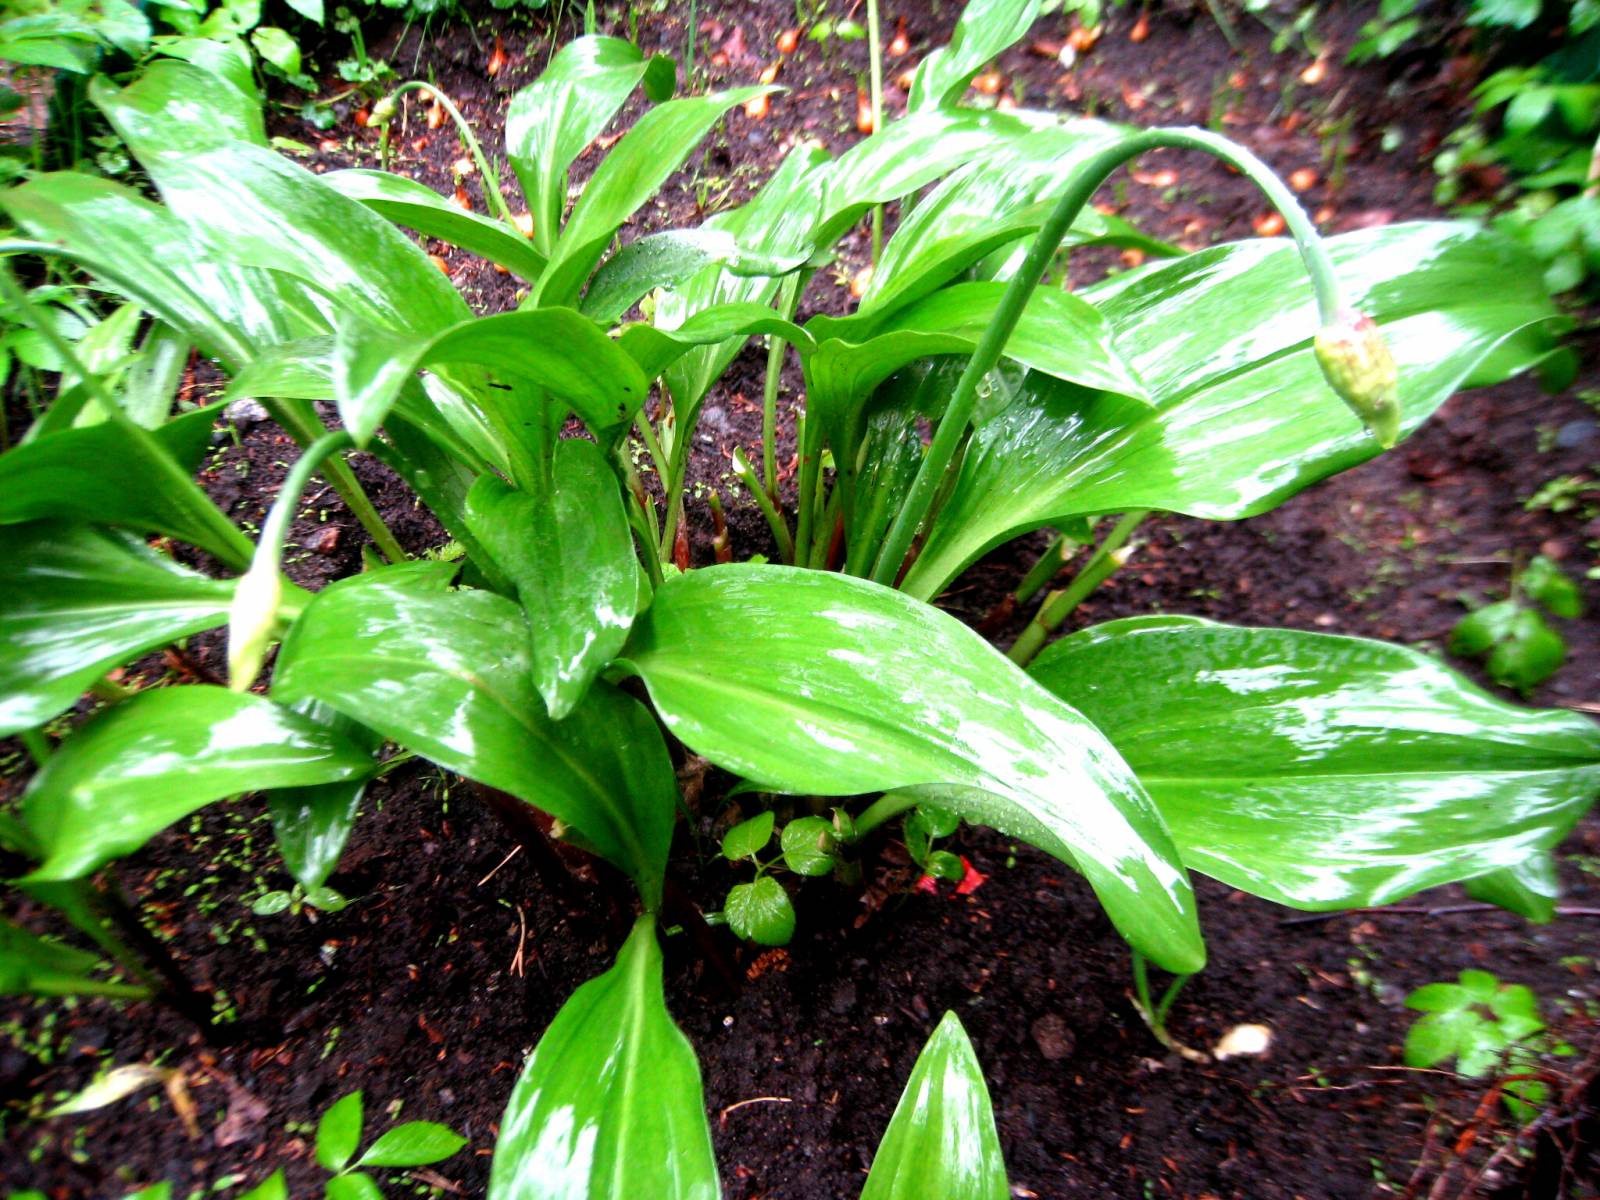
761 912
808 846
745 839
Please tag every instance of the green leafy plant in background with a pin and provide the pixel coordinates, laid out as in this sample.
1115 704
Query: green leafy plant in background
1215 384
1484 1025
1519 647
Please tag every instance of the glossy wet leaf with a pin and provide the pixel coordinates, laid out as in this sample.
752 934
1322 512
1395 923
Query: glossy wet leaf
417 206
808 844
609 1106
833 686
941 1143
557 349
665 260
1242 418
747 838
1325 772
32 966
143 764
569 551
554 119
634 170
985 28
63 477
1529 889
1530 652
448 676
354 1186
80 600
760 912
311 825
273 1187
414 1144
250 206
225 309
339 1132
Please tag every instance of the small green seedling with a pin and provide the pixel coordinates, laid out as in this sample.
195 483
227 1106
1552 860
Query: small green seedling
761 910
1521 648
1481 1023
414 1144
920 830
270 904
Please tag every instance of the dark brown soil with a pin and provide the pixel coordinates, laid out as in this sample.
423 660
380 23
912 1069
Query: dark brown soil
428 991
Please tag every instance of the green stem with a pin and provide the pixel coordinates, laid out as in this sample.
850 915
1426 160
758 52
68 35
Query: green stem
299 420
883 810
788 300
1059 605
1091 175
37 744
491 181
775 522
875 84
1051 561
1155 1015
652 444
276 529
226 541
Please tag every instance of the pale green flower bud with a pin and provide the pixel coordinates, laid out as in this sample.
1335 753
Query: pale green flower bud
1355 360
251 619
383 111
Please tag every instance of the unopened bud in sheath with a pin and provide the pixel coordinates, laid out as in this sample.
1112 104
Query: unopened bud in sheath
1356 362
383 111
251 620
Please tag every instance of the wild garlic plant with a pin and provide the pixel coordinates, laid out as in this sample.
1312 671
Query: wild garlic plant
1318 771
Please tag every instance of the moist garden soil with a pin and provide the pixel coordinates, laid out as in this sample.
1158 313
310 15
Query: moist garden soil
430 988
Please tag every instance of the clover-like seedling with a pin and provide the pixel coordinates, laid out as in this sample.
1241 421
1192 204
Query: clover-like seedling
413 1144
1521 648
1480 1022
760 910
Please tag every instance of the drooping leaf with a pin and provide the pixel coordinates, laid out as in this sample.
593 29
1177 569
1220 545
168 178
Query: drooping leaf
81 600
609 1106
143 764
417 206
941 1143
448 676
1243 418
250 206
828 685
1325 772
986 27
63 477
31 966
664 260
630 174
557 349
569 551
552 120
1528 889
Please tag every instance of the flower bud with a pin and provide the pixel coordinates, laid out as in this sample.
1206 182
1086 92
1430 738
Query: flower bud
382 112
251 619
1356 362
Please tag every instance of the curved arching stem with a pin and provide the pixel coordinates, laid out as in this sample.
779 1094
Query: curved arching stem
1094 172
491 181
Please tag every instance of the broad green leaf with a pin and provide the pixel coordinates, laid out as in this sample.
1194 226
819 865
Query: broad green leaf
1529 653
448 676
986 27
186 97
1529 889
81 600
354 1186
833 686
417 206
553 120
143 764
1243 418
665 260
273 1187
1325 772
941 1143
64 477
808 844
311 10
909 154
609 1106
557 349
225 309
761 912
311 825
634 170
748 838
657 349
339 1132
414 1144
569 551
252 207
1479 631
31 966
277 48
